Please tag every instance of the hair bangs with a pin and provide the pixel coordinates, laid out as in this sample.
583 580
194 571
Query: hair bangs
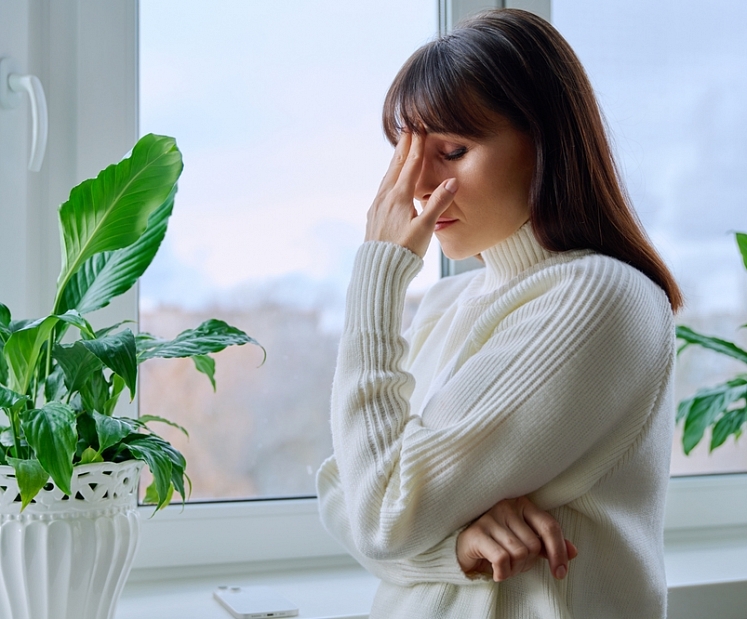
431 93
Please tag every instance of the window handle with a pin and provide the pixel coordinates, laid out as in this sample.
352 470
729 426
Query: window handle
12 87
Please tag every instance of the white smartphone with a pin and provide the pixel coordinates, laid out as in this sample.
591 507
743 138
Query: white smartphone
251 602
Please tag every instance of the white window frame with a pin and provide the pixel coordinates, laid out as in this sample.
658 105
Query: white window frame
85 52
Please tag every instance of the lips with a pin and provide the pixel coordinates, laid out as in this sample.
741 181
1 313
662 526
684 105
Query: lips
444 223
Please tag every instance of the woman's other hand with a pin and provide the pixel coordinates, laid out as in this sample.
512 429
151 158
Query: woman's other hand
392 216
509 538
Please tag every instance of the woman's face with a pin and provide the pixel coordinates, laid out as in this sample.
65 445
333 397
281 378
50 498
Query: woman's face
494 175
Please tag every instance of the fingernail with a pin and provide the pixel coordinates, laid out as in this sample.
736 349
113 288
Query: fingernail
561 572
451 185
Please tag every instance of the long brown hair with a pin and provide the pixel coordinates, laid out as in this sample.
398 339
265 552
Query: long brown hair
514 63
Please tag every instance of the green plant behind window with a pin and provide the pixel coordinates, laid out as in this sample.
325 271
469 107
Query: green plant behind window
58 397
721 407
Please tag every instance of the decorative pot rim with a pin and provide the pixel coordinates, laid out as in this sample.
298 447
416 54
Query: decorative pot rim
96 487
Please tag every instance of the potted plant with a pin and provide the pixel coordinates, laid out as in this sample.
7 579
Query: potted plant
722 407
69 466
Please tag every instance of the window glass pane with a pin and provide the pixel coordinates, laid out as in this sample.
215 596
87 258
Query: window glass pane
276 107
672 81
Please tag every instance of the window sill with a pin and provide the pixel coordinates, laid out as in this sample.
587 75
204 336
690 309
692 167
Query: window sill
707 577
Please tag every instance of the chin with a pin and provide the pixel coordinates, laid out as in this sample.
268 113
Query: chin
453 253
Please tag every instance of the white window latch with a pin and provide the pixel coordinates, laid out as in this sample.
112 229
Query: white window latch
12 87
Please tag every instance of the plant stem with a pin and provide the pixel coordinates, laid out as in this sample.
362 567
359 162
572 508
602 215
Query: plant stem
15 428
48 363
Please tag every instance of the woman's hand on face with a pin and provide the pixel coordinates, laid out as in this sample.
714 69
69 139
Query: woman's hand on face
509 538
392 216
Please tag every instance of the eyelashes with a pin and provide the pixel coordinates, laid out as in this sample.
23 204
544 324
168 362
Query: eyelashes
455 154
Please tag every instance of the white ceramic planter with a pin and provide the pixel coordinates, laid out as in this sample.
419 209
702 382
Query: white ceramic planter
68 557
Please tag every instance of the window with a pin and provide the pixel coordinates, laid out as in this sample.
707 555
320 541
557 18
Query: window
672 81
277 112
85 54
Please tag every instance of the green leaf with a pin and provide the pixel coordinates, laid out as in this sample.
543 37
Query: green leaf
3 362
119 353
730 423
94 393
211 336
31 478
149 418
77 364
742 244
22 351
112 211
151 494
711 343
72 317
117 385
90 455
206 365
114 327
111 430
54 385
51 432
109 274
10 399
152 453
87 436
708 405
4 315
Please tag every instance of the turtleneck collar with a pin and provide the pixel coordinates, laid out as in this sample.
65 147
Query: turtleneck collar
510 257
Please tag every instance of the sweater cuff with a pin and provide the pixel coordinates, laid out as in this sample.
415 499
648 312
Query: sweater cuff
439 564
376 295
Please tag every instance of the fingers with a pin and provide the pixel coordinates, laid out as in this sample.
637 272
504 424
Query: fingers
486 548
408 176
439 201
398 161
551 535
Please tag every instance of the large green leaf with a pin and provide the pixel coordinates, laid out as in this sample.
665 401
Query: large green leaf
73 317
117 385
31 478
742 244
109 274
118 352
54 385
77 363
22 351
10 399
711 343
152 453
87 436
94 393
211 336
52 434
111 211
111 430
706 407
730 423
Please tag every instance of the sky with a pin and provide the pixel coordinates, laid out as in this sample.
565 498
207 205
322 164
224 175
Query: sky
276 107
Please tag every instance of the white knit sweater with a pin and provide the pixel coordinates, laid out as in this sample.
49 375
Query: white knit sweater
544 374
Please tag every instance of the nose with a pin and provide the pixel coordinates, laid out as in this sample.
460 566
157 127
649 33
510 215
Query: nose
428 180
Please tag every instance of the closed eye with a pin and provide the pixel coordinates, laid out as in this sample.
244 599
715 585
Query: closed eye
455 154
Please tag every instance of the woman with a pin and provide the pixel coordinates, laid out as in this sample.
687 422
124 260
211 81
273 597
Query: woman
531 397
